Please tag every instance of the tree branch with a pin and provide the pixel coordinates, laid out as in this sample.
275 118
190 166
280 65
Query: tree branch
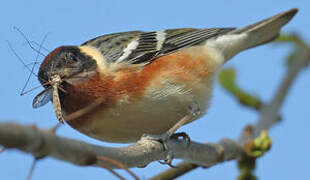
42 143
270 111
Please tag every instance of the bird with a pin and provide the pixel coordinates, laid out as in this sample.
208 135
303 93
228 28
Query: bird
118 87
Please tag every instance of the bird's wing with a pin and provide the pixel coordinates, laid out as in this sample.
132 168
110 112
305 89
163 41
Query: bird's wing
138 47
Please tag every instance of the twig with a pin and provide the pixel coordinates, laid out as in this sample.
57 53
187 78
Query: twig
120 165
84 110
112 171
269 112
173 173
32 168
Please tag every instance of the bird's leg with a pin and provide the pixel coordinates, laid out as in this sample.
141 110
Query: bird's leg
170 134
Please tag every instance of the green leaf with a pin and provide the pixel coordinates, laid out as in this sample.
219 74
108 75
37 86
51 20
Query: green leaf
227 79
290 57
292 38
261 145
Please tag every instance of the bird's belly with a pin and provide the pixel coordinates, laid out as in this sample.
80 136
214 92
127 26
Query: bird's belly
155 113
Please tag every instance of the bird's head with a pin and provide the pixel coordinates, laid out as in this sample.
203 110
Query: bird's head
69 63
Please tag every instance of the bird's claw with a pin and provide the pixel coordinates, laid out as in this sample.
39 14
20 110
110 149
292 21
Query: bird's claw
185 137
169 159
163 138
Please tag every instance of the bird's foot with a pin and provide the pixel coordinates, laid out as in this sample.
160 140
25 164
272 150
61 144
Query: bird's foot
163 139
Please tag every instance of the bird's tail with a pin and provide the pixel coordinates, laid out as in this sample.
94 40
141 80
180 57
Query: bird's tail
253 35
266 30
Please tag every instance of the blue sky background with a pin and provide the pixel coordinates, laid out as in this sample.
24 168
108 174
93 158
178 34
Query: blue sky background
259 71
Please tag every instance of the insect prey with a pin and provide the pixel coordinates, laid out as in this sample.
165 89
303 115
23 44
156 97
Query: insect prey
56 81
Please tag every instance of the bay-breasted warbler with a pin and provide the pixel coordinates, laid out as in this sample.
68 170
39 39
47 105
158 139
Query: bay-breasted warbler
146 81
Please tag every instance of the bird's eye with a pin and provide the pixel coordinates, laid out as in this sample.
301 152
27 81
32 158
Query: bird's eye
70 57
